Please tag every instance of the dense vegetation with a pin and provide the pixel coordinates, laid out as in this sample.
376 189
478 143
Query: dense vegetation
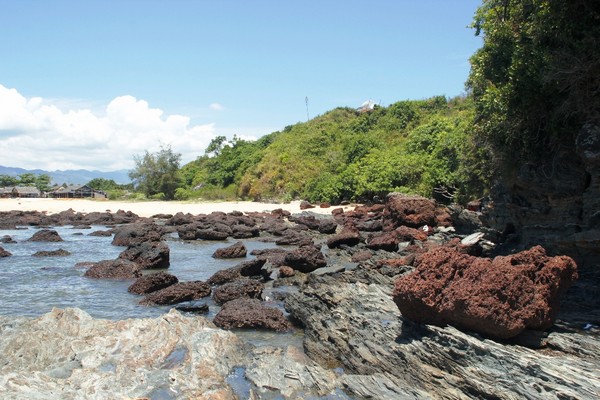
421 147
536 80
41 181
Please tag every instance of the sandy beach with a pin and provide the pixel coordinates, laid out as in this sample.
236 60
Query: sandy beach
148 208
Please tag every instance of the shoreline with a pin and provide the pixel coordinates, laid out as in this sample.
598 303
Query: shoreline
150 208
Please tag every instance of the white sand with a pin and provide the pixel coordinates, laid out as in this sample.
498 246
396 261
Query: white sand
149 208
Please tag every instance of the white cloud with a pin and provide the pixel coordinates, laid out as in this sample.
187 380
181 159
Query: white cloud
216 107
36 133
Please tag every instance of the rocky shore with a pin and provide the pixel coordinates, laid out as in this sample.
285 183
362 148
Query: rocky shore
406 299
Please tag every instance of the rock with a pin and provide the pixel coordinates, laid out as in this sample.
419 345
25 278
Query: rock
294 238
52 253
274 256
348 236
152 282
411 211
7 239
354 324
45 235
499 298
327 226
4 253
236 250
250 313
69 355
244 269
247 288
211 234
240 231
286 272
114 269
134 234
148 255
305 259
177 293
387 241
101 233
305 205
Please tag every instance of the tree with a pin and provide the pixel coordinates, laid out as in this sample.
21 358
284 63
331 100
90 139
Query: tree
535 80
103 184
157 174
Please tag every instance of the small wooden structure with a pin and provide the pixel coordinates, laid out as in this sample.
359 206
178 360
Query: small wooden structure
20 191
77 192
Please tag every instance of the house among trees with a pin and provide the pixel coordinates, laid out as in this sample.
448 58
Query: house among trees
367 106
20 191
77 192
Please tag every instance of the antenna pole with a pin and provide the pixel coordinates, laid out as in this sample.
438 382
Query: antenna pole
307 116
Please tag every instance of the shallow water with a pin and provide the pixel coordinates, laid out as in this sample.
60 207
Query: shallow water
32 286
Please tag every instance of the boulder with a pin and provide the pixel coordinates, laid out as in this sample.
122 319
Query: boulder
52 253
387 241
286 272
408 210
4 253
149 255
45 235
152 282
7 239
177 293
250 313
236 250
246 269
137 233
247 288
305 259
211 234
101 233
305 205
327 226
241 231
348 236
499 298
114 269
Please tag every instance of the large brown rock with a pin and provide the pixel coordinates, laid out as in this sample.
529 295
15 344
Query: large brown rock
114 269
152 282
236 250
349 236
250 313
45 235
4 253
499 298
177 293
248 288
137 233
305 259
149 255
412 211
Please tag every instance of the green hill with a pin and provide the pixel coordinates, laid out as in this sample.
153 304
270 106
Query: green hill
421 147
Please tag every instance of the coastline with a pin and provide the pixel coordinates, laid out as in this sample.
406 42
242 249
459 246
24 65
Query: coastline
150 208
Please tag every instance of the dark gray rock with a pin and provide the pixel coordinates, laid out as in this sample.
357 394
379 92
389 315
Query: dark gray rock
45 235
152 282
114 269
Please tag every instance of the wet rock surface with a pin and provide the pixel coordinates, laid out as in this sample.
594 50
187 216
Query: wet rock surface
45 235
236 250
114 269
250 313
178 293
4 253
152 282
247 288
148 255
52 253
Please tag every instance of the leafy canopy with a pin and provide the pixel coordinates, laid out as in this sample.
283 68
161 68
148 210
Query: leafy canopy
157 174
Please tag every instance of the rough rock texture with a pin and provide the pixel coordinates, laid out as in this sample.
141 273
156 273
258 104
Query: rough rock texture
67 354
305 259
250 313
351 322
177 293
52 253
149 255
236 250
45 235
349 236
134 234
114 269
286 272
4 253
248 288
411 211
499 297
7 239
244 269
152 282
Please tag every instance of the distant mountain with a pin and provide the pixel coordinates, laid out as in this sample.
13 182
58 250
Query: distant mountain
71 176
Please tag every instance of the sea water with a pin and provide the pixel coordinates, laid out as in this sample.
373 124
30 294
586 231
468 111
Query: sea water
32 286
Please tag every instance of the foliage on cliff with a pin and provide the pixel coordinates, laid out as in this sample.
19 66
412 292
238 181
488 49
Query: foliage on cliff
536 80
419 147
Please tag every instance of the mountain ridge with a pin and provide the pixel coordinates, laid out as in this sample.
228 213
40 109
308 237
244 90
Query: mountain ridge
71 176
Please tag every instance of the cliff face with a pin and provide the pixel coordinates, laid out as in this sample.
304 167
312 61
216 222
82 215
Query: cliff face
557 205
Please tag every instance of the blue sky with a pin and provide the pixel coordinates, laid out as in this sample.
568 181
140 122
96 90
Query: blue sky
87 84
